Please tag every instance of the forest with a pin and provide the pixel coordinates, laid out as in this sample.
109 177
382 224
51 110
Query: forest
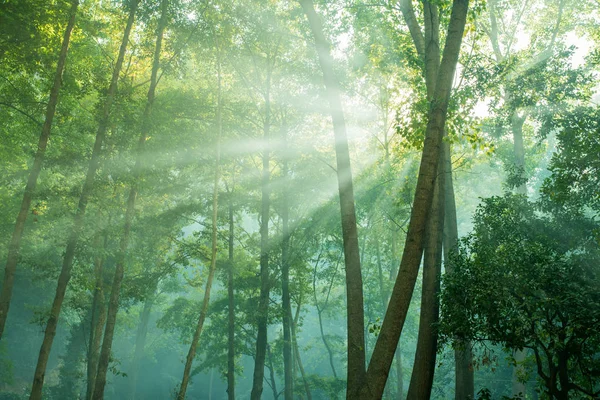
299 199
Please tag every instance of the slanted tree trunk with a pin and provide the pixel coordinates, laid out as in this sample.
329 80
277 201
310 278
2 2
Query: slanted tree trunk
424 367
263 302
140 342
354 289
395 317
65 273
213 256
288 391
15 242
113 304
98 314
230 310
463 365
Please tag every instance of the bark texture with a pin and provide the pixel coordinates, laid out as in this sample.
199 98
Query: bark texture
15 243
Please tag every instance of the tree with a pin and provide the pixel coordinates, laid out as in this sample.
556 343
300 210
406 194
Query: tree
15 243
354 290
113 304
65 273
527 278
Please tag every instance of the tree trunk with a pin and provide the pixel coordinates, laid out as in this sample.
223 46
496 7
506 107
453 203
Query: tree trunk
297 352
272 373
113 305
15 243
140 343
399 378
320 315
213 260
231 310
65 273
519 149
354 288
395 317
463 364
288 392
98 316
425 356
263 304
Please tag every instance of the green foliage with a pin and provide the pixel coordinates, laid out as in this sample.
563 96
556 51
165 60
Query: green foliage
528 279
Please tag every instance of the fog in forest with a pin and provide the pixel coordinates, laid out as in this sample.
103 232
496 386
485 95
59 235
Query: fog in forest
299 199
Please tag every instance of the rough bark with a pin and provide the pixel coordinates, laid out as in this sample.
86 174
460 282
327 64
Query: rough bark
395 317
65 273
263 302
463 359
288 391
230 309
213 260
354 289
98 315
425 356
15 242
113 304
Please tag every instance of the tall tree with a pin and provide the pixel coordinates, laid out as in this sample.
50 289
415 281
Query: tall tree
113 304
214 227
15 243
230 306
285 276
65 273
263 304
395 317
464 386
354 288
98 313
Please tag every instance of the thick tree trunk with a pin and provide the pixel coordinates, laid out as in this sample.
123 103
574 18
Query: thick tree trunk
140 343
425 356
288 392
395 317
213 260
113 304
263 303
354 288
230 310
463 359
65 273
98 315
15 243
